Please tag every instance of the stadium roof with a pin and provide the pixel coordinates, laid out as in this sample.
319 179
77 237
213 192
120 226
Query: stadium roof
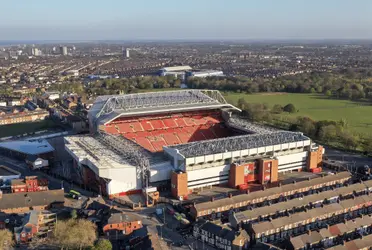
30 147
110 107
236 143
177 68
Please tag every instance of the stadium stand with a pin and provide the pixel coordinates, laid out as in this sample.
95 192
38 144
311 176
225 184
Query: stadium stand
154 132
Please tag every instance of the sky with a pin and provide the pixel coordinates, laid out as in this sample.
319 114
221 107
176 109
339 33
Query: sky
185 19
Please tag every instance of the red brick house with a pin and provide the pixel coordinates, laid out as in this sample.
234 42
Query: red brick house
35 224
126 223
29 184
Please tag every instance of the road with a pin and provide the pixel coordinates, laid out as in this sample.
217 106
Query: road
349 158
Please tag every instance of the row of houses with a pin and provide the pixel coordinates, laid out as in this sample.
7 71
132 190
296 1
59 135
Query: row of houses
332 235
298 223
219 236
265 197
300 204
21 117
363 243
22 202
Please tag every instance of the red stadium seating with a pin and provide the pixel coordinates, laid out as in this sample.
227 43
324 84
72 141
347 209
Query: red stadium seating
136 126
157 124
180 122
170 123
111 130
144 142
189 121
155 131
124 128
171 139
158 145
197 136
146 125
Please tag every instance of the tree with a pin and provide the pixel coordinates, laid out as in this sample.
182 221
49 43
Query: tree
75 234
343 123
367 145
277 109
103 244
241 103
290 108
306 125
328 93
6 239
327 133
348 140
73 214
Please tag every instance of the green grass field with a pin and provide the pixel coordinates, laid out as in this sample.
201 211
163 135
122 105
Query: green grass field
317 107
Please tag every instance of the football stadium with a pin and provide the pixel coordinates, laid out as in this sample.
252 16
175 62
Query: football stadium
183 140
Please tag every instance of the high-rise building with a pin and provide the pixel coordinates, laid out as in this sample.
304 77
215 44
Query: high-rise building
126 53
63 50
35 52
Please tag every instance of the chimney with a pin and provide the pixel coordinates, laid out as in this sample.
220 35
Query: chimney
230 195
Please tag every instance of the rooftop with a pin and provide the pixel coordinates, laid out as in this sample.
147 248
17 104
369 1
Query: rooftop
106 108
264 194
236 143
334 208
5 171
297 203
42 198
122 217
31 147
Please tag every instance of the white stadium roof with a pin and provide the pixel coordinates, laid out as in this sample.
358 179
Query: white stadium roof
235 143
109 107
30 147
177 68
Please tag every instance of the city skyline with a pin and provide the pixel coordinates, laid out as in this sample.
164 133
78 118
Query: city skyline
191 20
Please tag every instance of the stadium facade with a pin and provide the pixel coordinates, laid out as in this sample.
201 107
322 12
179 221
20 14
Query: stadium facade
184 139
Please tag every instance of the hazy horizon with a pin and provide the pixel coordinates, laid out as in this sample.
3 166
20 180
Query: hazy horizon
191 20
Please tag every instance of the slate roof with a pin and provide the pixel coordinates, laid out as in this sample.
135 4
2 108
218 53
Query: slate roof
31 199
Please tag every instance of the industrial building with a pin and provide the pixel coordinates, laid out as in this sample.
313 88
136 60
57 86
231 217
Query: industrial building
184 72
184 139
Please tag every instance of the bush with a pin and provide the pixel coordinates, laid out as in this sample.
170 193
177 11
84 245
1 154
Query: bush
103 244
277 109
290 108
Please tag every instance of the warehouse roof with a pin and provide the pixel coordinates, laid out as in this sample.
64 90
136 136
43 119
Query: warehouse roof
31 147
271 192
